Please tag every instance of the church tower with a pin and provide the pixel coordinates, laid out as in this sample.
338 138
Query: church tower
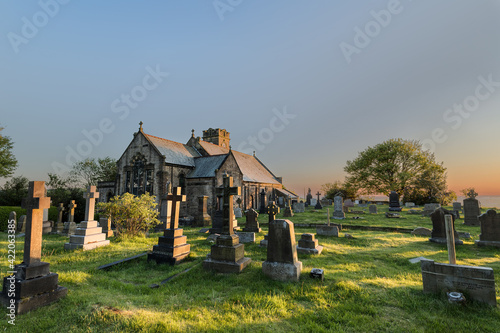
219 137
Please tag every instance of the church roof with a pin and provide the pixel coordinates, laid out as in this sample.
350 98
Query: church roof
205 167
213 149
174 152
252 169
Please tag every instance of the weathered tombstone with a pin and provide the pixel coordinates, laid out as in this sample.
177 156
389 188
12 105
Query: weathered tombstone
71 211
105 224
272 211
394 205
166 209
288 210
309 245
262 209
299 207
59 225
218 217
490 229
69 228
318 202
457 206
420 231
327 230
313 202
237 212
202 219
372 209
439 229
409 204
13 225
478 283
252 223
282 263
21 224
309 198
338 212
33 284
47 225
263 243
430 208
348 203
471 209
227 255
88 236
172 247
246 237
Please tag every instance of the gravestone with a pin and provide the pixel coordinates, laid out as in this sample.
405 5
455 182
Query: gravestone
202 219
272 211
71 211
88 236
318 202
313 202
326 202
237 212
430 208
309 245
13 225
288 210
218 217
409 204
438 227
282 263
299 207
338 212
348 203
21 224
373 209
59 225
246 237
47 225
172 247
457 206
309 197
471 209
477 283
69 228
263 243
281 201
327 230
33 284
105 224
252 223
394 205
227 255
262 209
490 229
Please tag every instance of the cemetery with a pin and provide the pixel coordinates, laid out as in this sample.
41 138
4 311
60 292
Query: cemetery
315 273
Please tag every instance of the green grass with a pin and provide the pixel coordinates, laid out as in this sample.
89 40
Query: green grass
369 286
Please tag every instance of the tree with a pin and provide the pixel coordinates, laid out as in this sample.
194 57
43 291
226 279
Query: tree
398 165
331 189
8 162
131 214
14 191
90 171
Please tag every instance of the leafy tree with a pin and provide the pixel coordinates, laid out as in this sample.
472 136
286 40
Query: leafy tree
63 190
14 191
90 171
468 190
131 214
331 189
8 162
398 165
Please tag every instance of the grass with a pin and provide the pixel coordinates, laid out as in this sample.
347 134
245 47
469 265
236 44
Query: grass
369 286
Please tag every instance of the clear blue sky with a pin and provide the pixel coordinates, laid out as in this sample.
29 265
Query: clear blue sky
237 64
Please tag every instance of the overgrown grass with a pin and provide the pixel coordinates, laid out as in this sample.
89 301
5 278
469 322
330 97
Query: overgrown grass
369 286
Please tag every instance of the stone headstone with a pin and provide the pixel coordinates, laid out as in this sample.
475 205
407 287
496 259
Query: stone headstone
263 243
409 204
313 202
478 283
228 254
88 236
282 263
471 212
490 229
69 228
394 205
422 232
372 209
457 206
12 222
308 244
71 211
21 224
363 205
33 284
252 223
262 209
172 247
309 197
272 211
281 201
326 202
438 227
327 230
237 212
202 219
288 212
430 208
348 203
59 225
105 223
299 207
246 237
45 214
338 212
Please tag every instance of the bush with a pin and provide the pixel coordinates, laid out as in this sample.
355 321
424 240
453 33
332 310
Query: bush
4 215
131 214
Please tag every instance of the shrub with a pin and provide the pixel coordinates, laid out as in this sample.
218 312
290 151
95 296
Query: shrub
131 214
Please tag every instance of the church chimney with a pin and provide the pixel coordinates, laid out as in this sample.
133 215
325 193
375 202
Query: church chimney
217 136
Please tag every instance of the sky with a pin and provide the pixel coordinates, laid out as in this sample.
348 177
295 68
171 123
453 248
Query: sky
306 84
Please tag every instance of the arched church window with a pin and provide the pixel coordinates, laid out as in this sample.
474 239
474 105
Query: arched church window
139 179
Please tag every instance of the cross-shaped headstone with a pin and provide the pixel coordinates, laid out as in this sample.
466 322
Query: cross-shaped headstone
176 197
61 210
318 194
227 191
472 194
272 210
71 211
90 196
34 203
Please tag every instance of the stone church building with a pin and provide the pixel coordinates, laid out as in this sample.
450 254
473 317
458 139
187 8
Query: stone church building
151 164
